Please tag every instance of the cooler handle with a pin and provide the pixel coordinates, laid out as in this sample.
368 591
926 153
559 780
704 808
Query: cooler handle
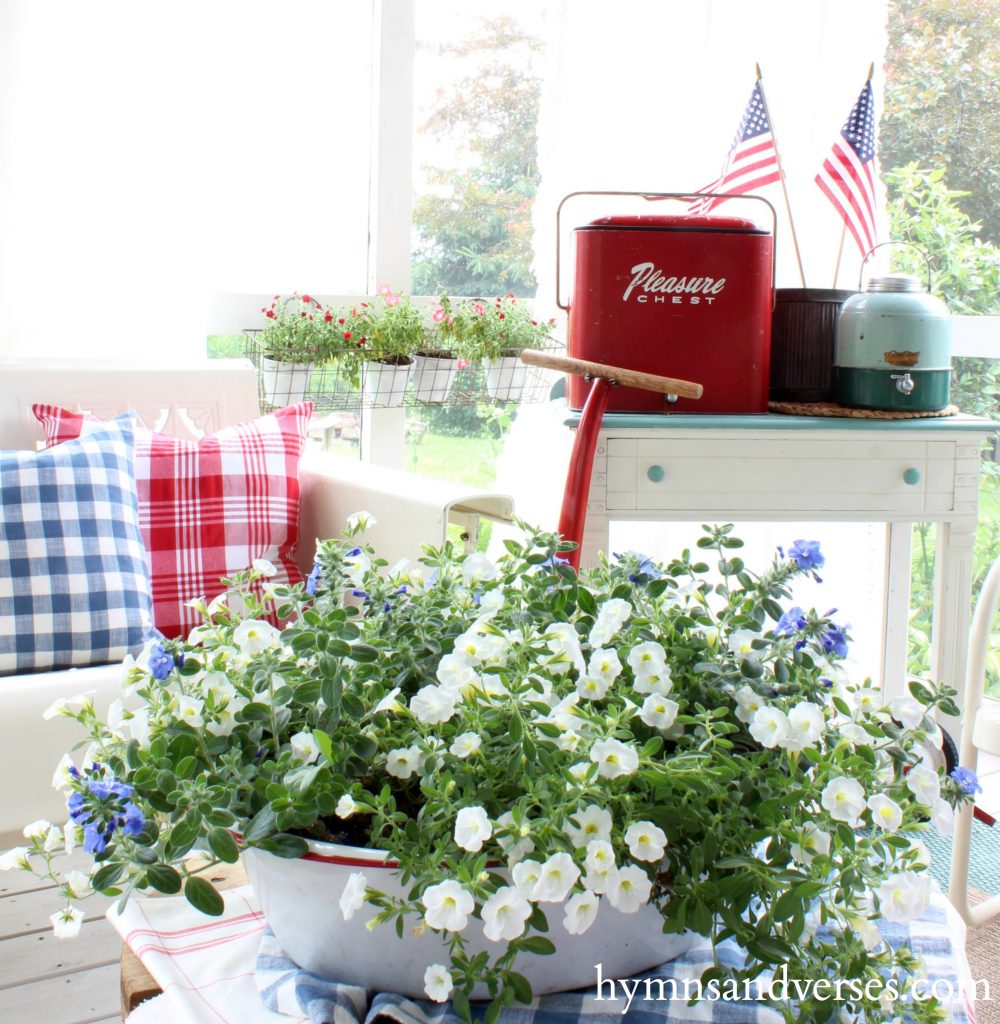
868 256
651 196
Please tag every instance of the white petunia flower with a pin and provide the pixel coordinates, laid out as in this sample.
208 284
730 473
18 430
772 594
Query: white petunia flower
72 834
437 983
580 912
78 884
53 839
569 741
517 846
17 857
614 759
432 705
844 799
813 841
646 841
658 712
805 726
748 703
304 747
654 682
472 828
769 727
402 762
867 931
886 813
605 664
740 642
457 675
346 806
869 701
389 702
466 745
563 641
579 771
253 636
362 520
907 711
943 817
189 710
648 658
904 897
68 705
855 735
526 874
611 616
61 778
558 876
477 568
592 822
264 568
447 906
924 783
66 923
37 829
592 687
504 914
353 896
490 603
629 889
600 865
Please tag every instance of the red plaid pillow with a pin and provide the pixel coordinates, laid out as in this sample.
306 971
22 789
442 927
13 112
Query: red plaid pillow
208 508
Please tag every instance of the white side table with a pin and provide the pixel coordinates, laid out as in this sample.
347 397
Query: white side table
789 468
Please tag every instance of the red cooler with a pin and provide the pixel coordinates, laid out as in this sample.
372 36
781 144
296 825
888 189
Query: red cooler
680 296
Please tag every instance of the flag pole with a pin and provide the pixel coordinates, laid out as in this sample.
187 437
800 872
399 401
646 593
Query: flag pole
843 230
840 253
781 172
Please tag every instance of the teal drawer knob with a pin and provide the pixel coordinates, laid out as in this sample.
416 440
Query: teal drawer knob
656 474
911 476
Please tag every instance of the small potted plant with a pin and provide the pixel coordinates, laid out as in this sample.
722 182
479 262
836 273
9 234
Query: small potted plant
512 767
497 331
298 334
437 361
387 333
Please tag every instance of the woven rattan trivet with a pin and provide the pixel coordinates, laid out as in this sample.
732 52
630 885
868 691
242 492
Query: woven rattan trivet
832 409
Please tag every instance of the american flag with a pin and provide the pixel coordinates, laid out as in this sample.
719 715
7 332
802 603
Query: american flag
847 176
752 161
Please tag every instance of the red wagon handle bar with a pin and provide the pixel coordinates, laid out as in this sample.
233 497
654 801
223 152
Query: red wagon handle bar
574 507
615 374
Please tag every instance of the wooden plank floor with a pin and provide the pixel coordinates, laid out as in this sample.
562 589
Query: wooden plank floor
42 978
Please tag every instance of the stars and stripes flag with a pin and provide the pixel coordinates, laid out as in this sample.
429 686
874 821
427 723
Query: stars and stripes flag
752 161
847 176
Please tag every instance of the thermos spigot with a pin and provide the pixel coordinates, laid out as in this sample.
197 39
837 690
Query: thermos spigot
904 383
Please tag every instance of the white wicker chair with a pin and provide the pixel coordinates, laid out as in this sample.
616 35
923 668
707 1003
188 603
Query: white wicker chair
980 734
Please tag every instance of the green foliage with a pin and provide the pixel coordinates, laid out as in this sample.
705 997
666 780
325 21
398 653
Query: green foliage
299 329
389 330
489 328
460 712
475 235
924 211
942 97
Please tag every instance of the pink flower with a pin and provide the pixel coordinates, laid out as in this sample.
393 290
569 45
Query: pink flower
438 316
391 300
479 308
385 290
463 364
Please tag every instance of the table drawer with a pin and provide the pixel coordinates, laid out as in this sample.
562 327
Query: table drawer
720 476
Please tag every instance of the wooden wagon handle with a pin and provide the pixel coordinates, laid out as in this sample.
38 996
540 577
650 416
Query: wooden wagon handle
618 374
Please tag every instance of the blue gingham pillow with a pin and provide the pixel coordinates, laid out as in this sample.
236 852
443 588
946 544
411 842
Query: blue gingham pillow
74 583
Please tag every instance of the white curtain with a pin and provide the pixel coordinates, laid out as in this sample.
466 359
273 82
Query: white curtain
153 154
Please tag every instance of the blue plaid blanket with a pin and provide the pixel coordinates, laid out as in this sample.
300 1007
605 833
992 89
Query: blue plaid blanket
286 988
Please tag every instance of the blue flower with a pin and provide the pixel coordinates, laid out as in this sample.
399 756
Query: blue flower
161 664
95 841
362 595
312 580
835 641
806 554
133 821
644 565
967 779
792 621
